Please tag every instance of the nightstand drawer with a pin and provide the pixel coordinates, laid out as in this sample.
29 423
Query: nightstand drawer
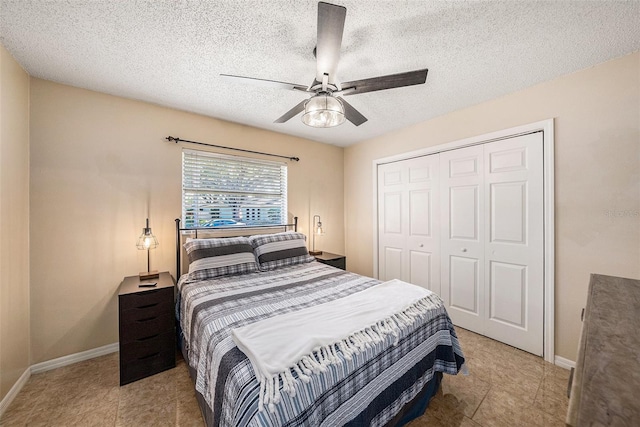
146 311
148 345
145 326
147 365
145 298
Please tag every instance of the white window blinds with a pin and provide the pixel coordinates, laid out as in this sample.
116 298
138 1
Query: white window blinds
219 190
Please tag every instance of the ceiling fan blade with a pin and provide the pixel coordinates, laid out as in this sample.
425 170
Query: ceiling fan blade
265 83
291 113
391 81
352 114
330 29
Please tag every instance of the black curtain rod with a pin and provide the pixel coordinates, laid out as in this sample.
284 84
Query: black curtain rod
176 140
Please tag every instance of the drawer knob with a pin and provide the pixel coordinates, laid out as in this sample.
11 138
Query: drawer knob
146 319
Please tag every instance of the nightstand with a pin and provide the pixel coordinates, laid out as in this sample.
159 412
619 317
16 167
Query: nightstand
147 327
334 260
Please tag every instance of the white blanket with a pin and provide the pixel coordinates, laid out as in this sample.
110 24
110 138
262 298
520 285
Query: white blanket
306 341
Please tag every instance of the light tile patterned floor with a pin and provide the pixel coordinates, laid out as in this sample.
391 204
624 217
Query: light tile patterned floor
505 387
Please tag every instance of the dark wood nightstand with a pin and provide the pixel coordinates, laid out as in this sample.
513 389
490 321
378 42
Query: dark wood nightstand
334 260
147 327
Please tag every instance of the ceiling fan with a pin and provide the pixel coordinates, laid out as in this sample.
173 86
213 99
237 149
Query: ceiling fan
327 107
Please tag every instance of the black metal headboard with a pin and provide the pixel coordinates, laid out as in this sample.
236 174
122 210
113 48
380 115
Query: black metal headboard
293 225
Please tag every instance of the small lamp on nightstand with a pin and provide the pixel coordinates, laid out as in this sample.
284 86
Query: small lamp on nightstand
147 241
317 230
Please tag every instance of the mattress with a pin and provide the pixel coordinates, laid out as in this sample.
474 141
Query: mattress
370 389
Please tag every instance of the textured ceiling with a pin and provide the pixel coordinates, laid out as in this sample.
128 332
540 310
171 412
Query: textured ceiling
172 52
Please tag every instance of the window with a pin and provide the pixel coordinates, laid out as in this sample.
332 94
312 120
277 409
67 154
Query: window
227 191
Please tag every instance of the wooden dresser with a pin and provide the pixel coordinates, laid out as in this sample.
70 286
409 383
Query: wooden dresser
606 384
147 327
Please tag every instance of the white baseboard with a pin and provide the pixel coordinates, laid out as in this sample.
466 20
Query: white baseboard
52 364
74 358
564 363
4 404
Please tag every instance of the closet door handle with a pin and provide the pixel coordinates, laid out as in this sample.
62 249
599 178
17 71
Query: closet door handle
464 249
421 245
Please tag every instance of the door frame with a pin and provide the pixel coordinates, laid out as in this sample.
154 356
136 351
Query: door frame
544 126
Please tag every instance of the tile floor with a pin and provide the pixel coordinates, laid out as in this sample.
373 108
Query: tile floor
505 387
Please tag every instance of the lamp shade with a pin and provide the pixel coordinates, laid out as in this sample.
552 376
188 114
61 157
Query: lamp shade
147 240
323 111
317 231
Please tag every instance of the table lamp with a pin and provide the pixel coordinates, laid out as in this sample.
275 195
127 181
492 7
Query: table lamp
147 241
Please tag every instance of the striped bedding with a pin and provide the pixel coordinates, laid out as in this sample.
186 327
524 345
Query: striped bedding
370 389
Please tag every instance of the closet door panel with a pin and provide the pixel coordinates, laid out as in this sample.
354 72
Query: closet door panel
423 240
409 222
514 268
393 216
464 285
463 213
420 266
462 250
392 223
508 291
392 263
508 207
420 215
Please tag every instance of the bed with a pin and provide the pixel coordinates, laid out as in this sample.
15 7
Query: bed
388 382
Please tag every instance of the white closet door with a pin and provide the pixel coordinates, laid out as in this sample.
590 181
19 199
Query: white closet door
492 240
423 234
392 220
462 236
408 226
514 246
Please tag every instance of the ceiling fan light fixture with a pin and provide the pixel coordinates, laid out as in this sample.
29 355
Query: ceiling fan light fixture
323 111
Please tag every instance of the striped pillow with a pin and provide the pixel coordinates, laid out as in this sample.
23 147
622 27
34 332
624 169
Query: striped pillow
210 258
280 250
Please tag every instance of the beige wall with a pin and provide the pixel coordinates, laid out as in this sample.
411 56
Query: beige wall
14 221
99 167
597 167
